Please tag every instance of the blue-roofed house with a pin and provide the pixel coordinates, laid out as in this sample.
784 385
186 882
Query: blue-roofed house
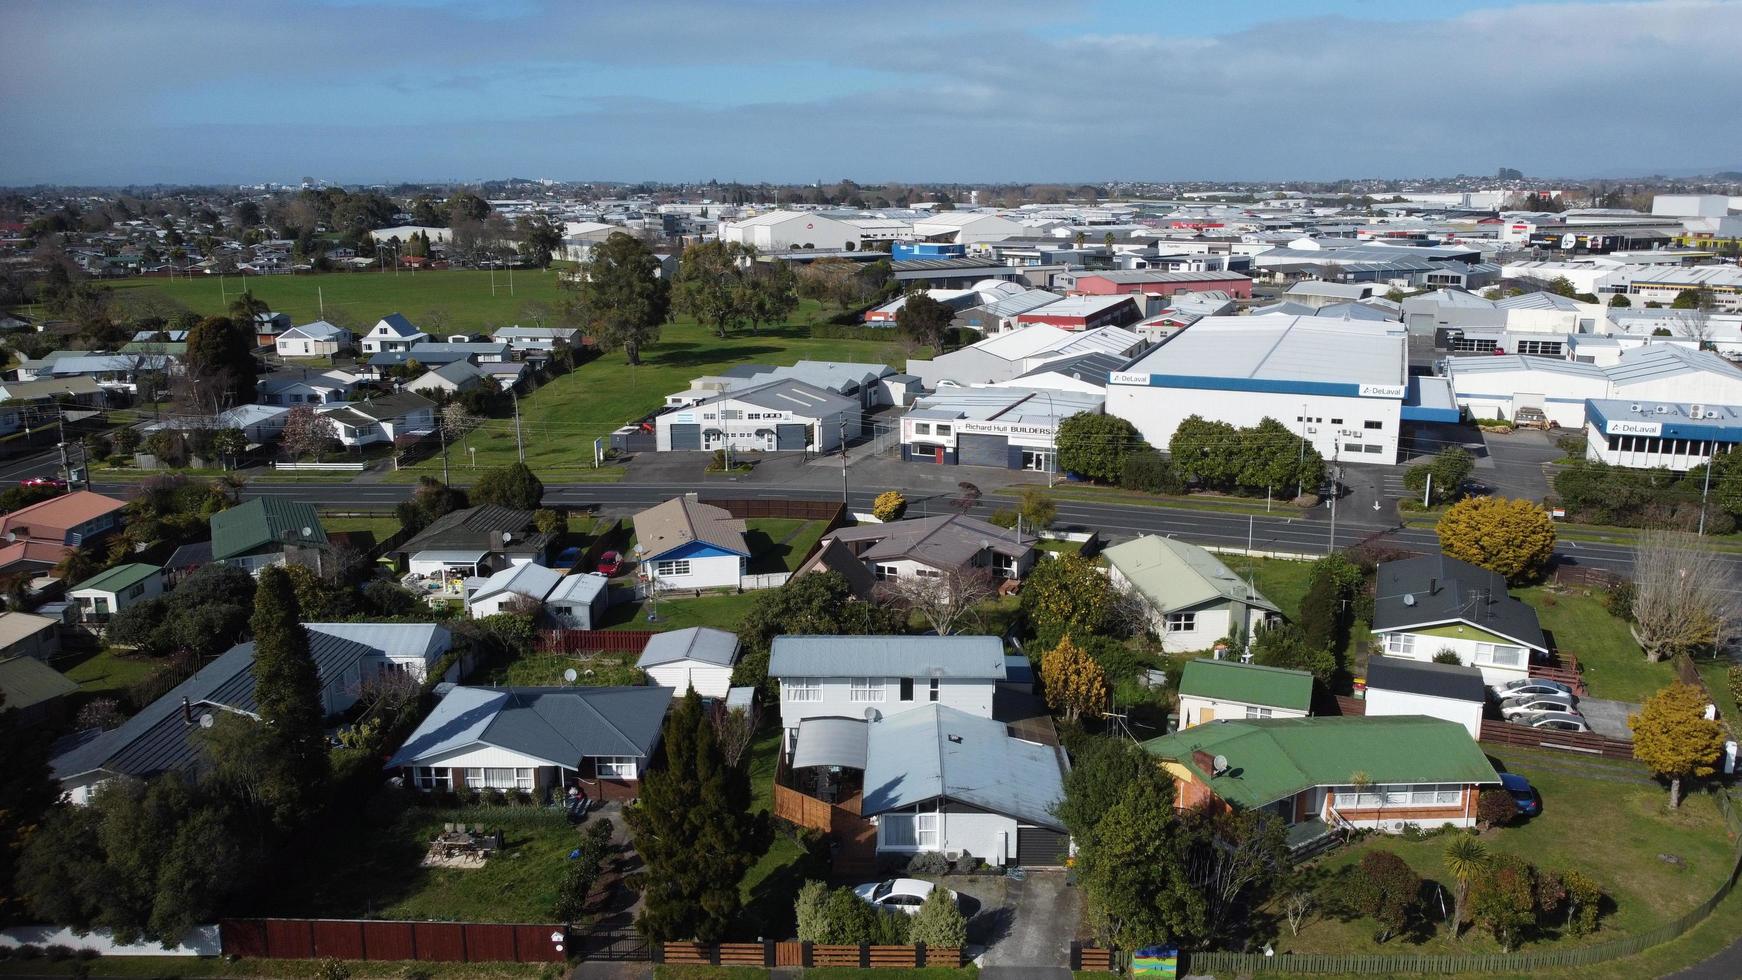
596 740
392 332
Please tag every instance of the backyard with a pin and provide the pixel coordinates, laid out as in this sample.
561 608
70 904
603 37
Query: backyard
779 544
592 670
1584 801
722 610
108 672
1614 666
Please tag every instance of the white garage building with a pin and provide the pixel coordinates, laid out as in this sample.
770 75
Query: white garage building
779 416
1342 383
1497 387
780 231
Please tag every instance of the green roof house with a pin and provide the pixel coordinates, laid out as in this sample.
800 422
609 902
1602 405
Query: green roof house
1229 689
103 595
1194 600
262 531
1317 774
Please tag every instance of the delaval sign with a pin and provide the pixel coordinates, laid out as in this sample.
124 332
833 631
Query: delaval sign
1128 378
1623 427
1382 391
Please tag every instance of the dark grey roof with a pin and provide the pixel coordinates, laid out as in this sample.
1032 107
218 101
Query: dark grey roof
157 739
943 541
559 725
1435 589
478 527
1453 681
1093 367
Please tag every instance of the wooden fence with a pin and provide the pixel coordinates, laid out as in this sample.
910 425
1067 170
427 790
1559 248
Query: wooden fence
1095 959
591 641
806 955
369 939
1585 743
806 510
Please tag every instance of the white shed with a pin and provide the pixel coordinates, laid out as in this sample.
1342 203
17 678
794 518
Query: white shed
699 657
1452 692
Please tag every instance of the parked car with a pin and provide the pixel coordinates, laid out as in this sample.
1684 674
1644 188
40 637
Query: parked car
44 481
1532 685
899 894
1524 795
610 563
567 559
1553 721
1530 703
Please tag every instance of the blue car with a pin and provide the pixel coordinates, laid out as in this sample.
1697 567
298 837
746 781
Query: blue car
1523 794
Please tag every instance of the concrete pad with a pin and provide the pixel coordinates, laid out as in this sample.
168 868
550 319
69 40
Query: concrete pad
1608 717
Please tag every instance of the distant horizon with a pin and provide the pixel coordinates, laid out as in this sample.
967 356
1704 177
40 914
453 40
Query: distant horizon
365 92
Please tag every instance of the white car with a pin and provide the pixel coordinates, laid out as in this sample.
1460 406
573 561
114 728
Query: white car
1537 704
1554 721
898 894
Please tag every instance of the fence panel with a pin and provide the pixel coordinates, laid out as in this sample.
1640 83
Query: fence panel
289 939
339 939
789 954
591 641
442 942
244 937
493 943
894 957
834 955
765 580
943 956
741 954
1587 743
534 944
687 953
388 941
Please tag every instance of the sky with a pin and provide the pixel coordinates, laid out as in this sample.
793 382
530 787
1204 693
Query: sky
361 91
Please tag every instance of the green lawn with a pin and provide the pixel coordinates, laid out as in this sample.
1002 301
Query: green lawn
1614 666
770 887
778 544
1716 674
107 673
546 670
1607 804
382 526
722 611
1284 581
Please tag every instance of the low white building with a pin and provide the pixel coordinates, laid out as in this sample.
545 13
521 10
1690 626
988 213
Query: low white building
512 586
408 649
699 658
1498 386
383 419
686 544
102 596
777 416
1677 436
1010 427
317 339
579 600
392 332
1399 686
1219 690
781 231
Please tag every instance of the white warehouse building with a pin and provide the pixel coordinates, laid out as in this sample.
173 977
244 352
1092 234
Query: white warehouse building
780 231
1497 387
1344 384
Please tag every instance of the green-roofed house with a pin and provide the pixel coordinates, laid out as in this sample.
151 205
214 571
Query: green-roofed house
1322 773
264 530
107 593
1194 600
1228 689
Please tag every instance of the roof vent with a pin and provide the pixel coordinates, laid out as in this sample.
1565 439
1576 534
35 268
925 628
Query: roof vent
1663 409
955 739
1635 406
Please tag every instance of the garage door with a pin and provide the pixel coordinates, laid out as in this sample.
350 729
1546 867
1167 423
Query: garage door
788 436
1038 847
686 436
976 450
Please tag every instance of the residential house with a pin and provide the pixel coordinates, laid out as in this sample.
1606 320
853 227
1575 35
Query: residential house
699 657
102 596
449 379
1316 774
475 541
25 634
596 741
113 372
537 341
833 556
264 531
268 325
1211 690
409 649
502 591
317 339
686 544
392 332
931 547
305 387
430 352
37 537
35 692
33 404
1396 686
384 418
1434 604
1193 599
160 738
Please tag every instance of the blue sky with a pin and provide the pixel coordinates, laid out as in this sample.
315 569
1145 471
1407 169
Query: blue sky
798 90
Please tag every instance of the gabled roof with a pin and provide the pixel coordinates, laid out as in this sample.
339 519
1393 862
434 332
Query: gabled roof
933 752
398 325
263 521
395 641
1435 590
973 657
945 541
1231 680
1272 759
474 528
528 579
61 513
386 408
834 556
318 330
456 373
1173 574
117 578
702 643
556 725
28 682
685 520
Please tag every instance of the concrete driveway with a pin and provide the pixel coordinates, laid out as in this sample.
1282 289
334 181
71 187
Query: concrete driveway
1608 717
1026 926
1518 459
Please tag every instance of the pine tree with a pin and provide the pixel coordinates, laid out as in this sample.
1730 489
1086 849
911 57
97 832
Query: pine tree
287 689
692 829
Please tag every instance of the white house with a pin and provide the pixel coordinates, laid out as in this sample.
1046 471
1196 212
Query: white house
699 657
382 419
1223 689
449 379
1396 686
304 387
1193 599
686 544
517 583
317 339
102 596
1432 605
856 676
410 649
392 332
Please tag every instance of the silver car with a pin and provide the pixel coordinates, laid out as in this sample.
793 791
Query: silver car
1552 721
1529 703
1532 685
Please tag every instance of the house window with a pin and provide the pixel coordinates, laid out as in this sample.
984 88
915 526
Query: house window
934 689
136 591
1499 655
1400 644
1252 712
907 689
922 428
427 778
1182 622
499 778
916 828
888 571
943 430
802 690
1399 795
866 689
614 767
671 569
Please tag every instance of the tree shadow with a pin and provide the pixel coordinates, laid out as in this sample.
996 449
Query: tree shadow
768 911
689 355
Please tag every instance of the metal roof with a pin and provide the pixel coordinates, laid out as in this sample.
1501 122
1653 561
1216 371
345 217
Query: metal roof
1231 680
1454 681
556 725
263 521
1433 590
683 520
703 643
395 641
579 587
934 752
528 579
475 528
1283 349
944 541
117 578
831 742
1173 574
975 657
28 682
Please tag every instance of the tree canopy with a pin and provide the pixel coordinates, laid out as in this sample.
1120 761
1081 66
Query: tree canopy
1672 735
1515 538
1096 446
1265 457
514 486
620 298
287 690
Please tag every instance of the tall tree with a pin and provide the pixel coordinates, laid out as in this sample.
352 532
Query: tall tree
220 353
620 298
514 486
693 830
925 320
287 688
539 240
1683 595
1672 735
1133 874
1095 446
769 293
1074 683
307 433
710 284
1513 537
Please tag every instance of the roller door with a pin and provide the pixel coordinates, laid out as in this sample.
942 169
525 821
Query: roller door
1038 847
686 436
978 450
788 436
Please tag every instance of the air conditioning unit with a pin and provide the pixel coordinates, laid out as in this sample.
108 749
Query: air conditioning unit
1697 411
1663 409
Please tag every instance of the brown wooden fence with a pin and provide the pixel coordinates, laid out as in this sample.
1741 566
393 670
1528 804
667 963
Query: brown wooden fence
591 641
797 954
1094 959
369 939
806 510
1584 743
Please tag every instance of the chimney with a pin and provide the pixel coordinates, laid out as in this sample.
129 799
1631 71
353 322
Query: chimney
187 711
1204 761
1433 585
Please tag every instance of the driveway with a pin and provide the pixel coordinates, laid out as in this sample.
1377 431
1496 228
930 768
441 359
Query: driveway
1026 926
1518 459
1608 717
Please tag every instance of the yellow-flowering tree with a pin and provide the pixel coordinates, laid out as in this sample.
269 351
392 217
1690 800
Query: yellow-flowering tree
1513 537
889 506
1672 735
1074 682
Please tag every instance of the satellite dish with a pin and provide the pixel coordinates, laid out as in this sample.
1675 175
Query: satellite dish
570 675
1219 764
308 532
1408 599
507 537
872 714
207 721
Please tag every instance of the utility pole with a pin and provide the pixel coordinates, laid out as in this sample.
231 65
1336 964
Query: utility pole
1300 463
442 433
1707 488
843 460
519 445
1336 479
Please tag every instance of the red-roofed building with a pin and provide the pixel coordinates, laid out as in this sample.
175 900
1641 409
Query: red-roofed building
40 535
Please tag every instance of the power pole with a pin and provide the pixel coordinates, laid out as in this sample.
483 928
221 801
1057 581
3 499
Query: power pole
1707 488
843 460
442 433
519 445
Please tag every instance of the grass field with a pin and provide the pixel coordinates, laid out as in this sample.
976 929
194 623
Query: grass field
106 673
722 611
383 526
1284 582
778 544
1614 666
1581 804
546 670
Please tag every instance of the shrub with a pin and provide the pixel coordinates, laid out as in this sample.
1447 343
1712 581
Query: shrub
333 968
889 506
1504 901
939 923
811 911
493 797
1385 888
1515 538
1618 599
1584 900
1151 472
1003 517
57 953
1448 656
1495 808
928 863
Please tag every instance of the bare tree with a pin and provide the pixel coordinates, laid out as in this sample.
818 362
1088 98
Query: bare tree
1683 598
944 600
967 498
734 731
456 422
387 693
